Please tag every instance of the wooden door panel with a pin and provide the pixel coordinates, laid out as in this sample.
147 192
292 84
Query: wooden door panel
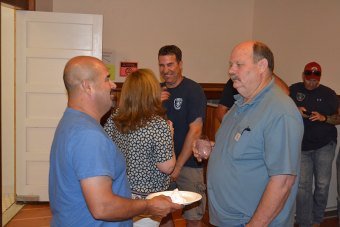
45 42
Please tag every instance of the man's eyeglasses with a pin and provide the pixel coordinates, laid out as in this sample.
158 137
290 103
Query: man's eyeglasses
310 72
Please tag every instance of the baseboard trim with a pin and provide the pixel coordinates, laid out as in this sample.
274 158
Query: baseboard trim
331 213
11 212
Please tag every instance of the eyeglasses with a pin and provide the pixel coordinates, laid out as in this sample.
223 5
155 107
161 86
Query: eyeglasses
310 72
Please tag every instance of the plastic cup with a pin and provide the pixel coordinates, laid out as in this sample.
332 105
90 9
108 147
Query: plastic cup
203 147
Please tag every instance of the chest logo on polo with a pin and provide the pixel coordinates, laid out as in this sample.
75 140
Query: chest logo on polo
300 97
178 103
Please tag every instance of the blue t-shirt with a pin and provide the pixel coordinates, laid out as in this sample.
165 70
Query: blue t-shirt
81 149
187 102
255 141
322 100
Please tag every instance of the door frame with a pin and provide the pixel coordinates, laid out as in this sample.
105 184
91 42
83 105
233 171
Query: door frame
16 4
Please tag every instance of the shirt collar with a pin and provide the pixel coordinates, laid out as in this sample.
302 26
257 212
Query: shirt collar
240 100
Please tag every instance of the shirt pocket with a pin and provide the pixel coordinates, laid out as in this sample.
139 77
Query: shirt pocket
247 143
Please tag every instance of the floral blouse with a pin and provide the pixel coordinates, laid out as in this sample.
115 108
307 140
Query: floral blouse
143 149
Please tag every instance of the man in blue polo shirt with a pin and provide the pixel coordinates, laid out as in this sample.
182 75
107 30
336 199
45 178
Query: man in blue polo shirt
254 167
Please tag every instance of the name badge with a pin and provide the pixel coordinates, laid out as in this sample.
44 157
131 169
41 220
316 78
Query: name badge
237 136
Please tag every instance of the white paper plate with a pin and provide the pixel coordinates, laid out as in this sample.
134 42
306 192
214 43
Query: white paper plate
189 197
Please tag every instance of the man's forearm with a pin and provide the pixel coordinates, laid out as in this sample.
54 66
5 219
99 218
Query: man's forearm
105 205
195 130
333 119
187 147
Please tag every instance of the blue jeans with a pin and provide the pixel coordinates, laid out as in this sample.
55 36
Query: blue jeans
338 183
310 207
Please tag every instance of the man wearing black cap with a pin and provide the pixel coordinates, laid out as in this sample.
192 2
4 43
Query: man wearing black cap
315 102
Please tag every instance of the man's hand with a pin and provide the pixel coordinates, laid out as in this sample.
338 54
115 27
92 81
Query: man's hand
174 175
161 206
197 154
316 116
302 111
164 94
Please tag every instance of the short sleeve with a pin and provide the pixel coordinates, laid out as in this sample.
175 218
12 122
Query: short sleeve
282 146
197 104
163 142
334 101
92 155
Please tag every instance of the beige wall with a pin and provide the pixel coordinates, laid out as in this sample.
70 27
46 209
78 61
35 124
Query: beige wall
205 30
44 5
299 32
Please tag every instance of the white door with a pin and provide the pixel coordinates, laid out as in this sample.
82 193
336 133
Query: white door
44 43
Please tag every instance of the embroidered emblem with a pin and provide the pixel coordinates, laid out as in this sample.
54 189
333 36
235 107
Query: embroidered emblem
178 103
300 96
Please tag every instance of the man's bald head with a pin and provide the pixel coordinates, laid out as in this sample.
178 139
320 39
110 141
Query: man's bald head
78 69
